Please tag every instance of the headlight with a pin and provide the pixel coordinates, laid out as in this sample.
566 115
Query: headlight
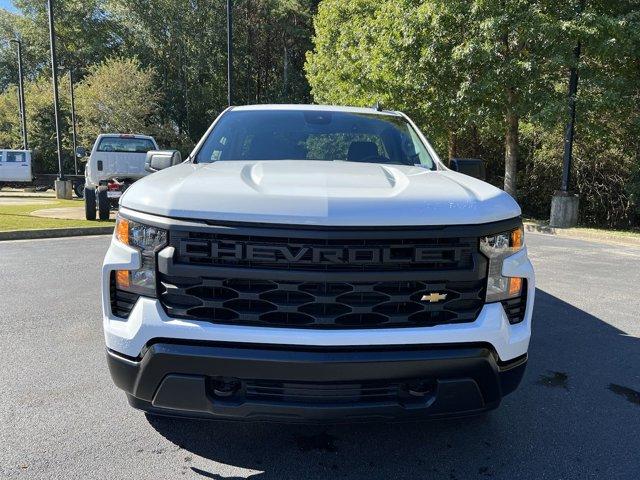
496 248
148 240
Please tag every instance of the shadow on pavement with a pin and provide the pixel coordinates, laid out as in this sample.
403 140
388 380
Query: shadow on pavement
574 415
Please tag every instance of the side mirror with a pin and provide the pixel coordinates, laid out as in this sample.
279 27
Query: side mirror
474 167
81 152
161 159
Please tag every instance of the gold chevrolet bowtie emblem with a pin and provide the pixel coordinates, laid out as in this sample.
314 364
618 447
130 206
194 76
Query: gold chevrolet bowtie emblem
433 297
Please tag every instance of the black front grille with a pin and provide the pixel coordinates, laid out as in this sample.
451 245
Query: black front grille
321 304
294 253
310 279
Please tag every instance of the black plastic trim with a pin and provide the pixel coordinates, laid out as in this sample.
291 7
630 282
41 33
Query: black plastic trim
173 378
167 266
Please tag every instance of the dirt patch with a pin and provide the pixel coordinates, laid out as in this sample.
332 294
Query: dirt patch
24 201
66 213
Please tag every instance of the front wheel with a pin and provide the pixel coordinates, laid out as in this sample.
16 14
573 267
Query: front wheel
103 205
90 203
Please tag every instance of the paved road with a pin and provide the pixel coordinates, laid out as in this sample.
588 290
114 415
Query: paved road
576 415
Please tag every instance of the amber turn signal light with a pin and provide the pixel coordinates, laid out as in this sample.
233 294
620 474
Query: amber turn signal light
123 279
516 238
122 230
515 286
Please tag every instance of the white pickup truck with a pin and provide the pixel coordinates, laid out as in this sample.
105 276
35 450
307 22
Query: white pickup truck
115 162
312 263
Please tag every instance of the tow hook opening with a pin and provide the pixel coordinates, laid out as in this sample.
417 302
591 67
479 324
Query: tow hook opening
225 387
422 388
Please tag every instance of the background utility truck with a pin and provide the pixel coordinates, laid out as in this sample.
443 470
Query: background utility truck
17 171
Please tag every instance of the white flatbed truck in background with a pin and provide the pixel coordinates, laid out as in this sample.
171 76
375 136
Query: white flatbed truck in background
16 170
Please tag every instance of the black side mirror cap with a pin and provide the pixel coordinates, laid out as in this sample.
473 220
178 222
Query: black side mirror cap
474 167
161 159
81 152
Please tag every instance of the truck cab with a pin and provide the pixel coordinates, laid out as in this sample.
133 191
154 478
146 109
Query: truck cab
115 162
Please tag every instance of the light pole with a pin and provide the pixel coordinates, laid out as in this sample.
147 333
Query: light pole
54 74
564 203
73 122
569 131
229 52
23 112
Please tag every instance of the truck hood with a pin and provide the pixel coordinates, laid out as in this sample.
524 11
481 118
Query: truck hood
325 193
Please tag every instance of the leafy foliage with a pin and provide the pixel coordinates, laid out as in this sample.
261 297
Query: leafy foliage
476 74
117 95
483 78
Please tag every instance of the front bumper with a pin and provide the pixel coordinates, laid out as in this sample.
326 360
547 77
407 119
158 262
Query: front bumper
293 384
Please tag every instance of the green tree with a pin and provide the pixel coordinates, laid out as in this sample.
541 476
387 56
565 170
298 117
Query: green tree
185 41
398 53
456 63
117 95
9 119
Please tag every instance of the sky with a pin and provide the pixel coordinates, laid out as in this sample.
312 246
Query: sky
7 5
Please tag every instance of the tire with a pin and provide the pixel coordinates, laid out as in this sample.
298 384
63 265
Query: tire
79 189
103 205
90 203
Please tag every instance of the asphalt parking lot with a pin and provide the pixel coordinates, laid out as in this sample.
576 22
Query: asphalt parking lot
576 414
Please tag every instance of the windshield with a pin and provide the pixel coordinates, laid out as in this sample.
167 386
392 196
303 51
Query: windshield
314 135
125 145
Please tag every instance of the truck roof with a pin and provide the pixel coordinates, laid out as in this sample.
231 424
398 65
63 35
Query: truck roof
323 108
125 135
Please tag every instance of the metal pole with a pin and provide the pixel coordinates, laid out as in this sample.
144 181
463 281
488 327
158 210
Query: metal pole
54 73
23 112
229 53
73 122
569 131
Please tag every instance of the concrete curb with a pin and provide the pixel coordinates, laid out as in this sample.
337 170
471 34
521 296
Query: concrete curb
590 236
55 233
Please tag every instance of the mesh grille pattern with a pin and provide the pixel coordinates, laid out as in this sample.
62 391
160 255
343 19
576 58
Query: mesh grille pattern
320 304
285 277
318 393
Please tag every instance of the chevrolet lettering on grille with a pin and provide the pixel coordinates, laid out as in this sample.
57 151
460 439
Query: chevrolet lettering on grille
244 251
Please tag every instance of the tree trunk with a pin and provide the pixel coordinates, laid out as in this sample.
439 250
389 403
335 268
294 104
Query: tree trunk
475 141
452 147
511 143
